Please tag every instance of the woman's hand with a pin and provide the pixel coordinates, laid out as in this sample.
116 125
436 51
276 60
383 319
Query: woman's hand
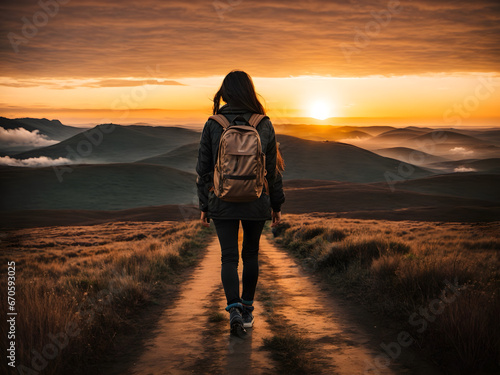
276 216
203 219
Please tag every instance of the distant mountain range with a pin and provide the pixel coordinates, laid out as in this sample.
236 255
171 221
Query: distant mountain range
410 155
469 165
184 158
178 148
330 133
53 129
115 167
397 135
308 160
116 144
23 134
446 144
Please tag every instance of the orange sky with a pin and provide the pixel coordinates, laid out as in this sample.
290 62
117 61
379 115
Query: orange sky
415 62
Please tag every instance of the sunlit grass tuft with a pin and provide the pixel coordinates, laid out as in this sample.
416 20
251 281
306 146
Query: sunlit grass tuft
399 268
96 287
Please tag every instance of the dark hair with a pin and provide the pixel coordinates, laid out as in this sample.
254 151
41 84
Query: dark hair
238 90
280 162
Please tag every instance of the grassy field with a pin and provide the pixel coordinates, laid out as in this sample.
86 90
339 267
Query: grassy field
439 282
80 288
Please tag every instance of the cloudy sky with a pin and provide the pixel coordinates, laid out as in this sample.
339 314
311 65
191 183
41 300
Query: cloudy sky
163 60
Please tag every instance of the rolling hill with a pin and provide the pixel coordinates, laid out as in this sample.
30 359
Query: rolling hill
53 129
183 158
307 159
397 135
454 146
320 197
371 130
485 187
409 155
95 187
321 132
377 201
128 167
116 144
449 137
488 135
22 135
449 144
472 165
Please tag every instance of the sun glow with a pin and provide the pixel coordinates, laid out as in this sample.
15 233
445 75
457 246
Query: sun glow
320 110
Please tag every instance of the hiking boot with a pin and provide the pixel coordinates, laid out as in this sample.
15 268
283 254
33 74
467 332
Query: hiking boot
236 321
247 316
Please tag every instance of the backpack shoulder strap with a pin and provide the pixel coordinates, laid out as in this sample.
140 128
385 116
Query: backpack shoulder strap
221 119
255 119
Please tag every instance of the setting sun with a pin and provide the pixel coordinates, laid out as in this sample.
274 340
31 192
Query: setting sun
320 110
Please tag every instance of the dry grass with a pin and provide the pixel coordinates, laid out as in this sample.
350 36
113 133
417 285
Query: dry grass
403 268
85 285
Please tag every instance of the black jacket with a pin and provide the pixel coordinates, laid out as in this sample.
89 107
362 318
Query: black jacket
260 209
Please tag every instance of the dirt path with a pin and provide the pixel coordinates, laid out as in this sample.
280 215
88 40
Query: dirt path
186 342
192 338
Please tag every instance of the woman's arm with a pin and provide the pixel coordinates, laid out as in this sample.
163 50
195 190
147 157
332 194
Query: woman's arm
204 167
274 177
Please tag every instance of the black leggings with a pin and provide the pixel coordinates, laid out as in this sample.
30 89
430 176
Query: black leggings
227 231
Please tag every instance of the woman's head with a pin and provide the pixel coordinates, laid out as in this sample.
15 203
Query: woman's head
238 90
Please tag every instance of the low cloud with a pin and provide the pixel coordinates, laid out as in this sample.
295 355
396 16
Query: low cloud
71 84
351 140
132 83
465 169
461 150
42 161
23 137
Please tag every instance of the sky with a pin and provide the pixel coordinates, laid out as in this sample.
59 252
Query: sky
160 62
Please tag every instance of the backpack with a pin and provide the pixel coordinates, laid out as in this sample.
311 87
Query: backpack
240 168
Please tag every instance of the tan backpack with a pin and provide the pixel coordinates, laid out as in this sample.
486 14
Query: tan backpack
240 168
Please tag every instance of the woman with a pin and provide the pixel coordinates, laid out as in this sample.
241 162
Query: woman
238 92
